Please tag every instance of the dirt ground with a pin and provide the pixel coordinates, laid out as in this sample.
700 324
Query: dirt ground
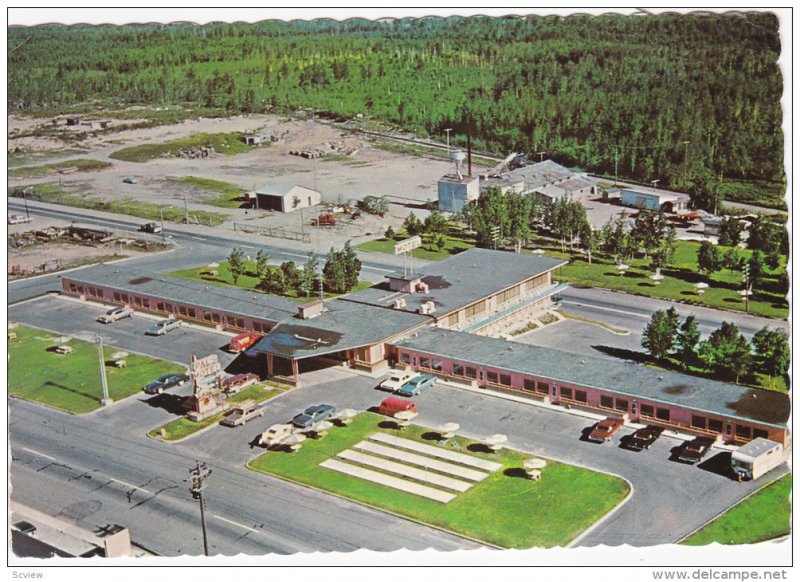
408 181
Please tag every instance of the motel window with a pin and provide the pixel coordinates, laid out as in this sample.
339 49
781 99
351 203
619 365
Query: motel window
160 306
215 317
192 314
239 322
257 326
698 421
437 365
491 377
405 358
646 410
452 319
541 387
566 393
714 425
742 431
580 396
73 287
137 301
125 297
508 294
471 372
662 414
606 402
207 316
505 379
621 404
117 296
476 309
425 362
458 370
181 310
758 432
529 385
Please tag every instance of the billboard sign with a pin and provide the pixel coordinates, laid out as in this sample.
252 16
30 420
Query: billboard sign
407 245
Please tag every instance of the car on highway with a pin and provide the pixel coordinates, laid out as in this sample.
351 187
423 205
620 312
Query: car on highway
18 219
312 415
115 314
693 451
152 227
417 385
644 437
397 379
163 326
605 429
165 382
130 180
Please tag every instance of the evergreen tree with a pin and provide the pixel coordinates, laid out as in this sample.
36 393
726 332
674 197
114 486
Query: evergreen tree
708 258
352 266
309 277
659 335
730 233
727 352
262 265
771 348
688 338
412 225
236 264
334 273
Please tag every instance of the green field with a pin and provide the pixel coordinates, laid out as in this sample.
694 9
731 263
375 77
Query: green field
505 509
761 193
223 143
227 194
763 516
454 244
71 382
248 280
183 427
43 170
78 195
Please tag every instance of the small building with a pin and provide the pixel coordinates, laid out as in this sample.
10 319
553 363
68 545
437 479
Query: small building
455 191
255 139
73 120
286 197
654 200
713 224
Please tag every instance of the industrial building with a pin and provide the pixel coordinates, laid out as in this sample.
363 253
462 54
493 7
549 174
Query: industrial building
286 197
654 200
456 191
435 320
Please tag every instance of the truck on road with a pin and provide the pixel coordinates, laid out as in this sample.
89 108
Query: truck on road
757 457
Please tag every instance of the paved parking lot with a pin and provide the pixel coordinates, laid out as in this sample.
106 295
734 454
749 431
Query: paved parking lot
669 501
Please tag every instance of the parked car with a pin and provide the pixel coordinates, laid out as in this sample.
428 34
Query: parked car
397 379
391 405
312 415
113 315
233 384
247 410
693 451
130 179
164 382
18 219
605 429
163 326
243 341
152 227
275 434
417 385
644 437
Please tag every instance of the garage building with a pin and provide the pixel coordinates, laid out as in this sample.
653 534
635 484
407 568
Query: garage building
286 197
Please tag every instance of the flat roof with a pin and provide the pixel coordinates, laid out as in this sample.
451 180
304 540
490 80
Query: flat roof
278 189
628 379
460 280
203 295
343 325
464 179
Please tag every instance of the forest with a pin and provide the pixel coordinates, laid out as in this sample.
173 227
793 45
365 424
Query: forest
679 98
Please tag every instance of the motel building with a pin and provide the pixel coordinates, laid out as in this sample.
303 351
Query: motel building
435 319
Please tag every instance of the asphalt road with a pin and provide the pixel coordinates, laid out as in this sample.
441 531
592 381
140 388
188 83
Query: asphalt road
101 468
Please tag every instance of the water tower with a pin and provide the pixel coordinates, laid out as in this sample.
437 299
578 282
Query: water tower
459 157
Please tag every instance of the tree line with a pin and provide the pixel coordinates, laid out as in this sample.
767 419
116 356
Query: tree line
683 98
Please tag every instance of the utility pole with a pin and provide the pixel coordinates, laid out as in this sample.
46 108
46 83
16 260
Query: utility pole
25 197
616 165
746 288
186 209
198 475
163 232
541 156
448 130
99 341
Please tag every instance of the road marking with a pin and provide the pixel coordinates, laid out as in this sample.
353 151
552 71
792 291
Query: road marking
608 309
40 454
235 523
128 485
200 238
248 247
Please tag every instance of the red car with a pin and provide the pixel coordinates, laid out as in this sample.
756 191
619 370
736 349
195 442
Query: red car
243 341
233 384
605 429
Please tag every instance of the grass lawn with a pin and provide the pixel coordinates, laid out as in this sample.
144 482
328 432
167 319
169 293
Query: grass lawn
36 171
504 509
183 427
227 194
80 197
454 244
71 382
248 280
762 516
223 143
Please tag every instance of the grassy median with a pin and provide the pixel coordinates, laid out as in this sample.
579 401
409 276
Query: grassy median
183 427
763 516
71 382
505 509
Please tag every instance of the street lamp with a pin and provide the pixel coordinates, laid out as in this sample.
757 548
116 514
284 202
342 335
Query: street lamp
448 130
198 475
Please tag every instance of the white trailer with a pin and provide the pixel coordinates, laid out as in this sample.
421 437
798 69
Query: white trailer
757 457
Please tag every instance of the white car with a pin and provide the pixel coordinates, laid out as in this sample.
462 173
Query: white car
113 315
163 326
18 219
397 379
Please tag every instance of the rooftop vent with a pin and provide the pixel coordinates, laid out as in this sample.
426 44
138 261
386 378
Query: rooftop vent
399 303
426 308
311 309
422 287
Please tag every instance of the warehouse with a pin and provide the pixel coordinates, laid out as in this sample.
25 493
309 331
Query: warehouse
654 200
286 197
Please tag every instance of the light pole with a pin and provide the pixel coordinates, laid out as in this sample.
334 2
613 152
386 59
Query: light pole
448 130
198 475
25 197
99 341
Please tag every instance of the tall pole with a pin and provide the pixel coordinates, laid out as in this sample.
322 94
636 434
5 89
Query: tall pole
541 156
99 341
186 209
448 130
163 232
25 197
198 475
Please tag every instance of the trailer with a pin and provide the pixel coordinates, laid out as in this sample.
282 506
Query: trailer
757 457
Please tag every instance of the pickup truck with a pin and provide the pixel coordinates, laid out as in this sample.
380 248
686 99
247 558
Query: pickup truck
247 410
